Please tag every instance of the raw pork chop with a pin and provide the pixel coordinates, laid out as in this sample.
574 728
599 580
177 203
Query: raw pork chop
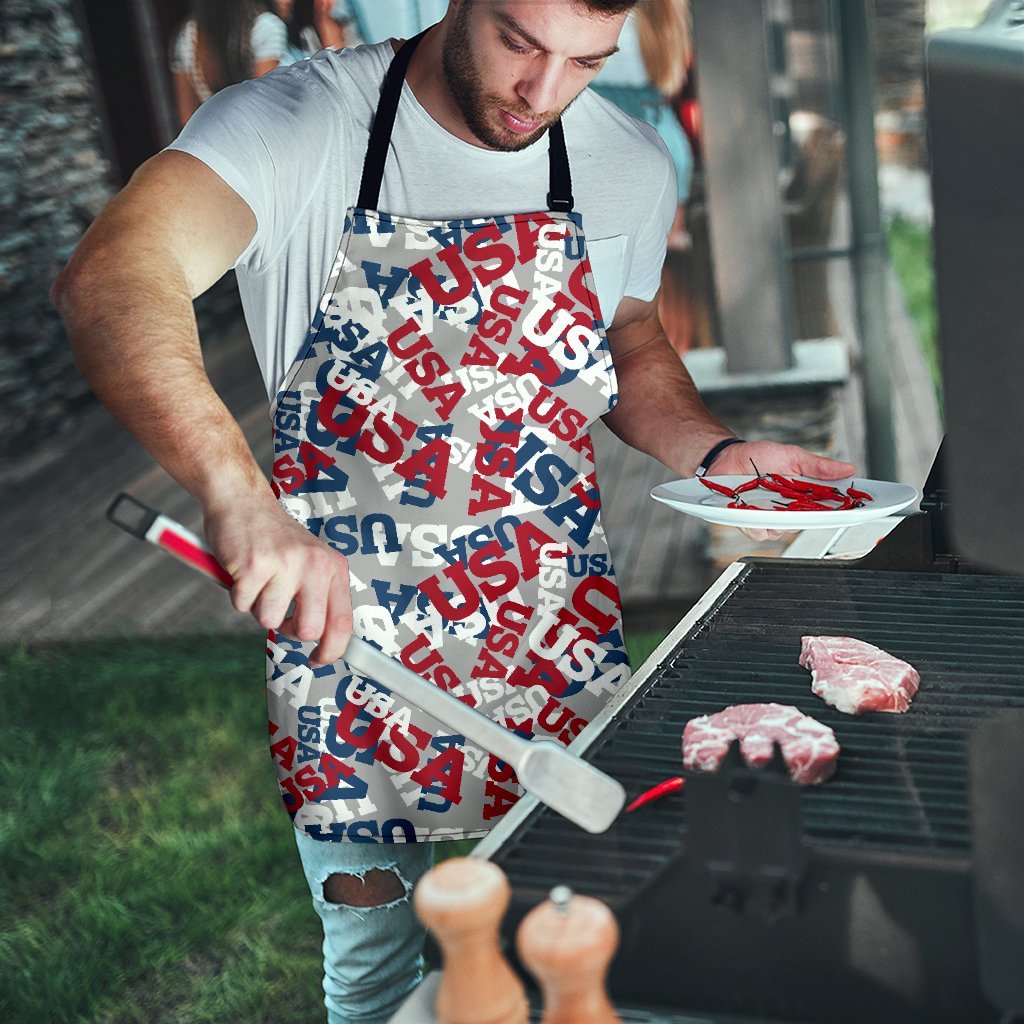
855 677
809 748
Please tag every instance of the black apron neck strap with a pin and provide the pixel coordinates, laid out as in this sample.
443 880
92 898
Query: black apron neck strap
383 123
560 186
560 183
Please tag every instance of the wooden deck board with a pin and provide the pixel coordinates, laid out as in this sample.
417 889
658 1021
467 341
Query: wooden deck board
656 550
77 576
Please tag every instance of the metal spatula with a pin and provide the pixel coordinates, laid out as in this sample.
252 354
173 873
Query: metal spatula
574 788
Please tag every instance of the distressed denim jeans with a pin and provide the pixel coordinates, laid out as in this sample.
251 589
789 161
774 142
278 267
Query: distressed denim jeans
372 955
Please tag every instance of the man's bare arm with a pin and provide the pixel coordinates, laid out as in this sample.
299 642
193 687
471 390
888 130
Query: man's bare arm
661 413
126 299
659 410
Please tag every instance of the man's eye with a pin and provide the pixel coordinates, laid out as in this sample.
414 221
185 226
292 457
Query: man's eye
513 46
590 65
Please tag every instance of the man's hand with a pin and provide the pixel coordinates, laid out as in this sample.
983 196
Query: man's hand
772 457
274 562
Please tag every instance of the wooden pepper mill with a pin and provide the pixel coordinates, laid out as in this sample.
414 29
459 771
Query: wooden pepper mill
567 943
462 902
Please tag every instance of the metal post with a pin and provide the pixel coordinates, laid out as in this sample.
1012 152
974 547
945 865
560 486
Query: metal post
868 242
154 64
745 218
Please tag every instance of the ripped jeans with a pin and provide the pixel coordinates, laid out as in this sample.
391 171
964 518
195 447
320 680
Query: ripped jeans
372 940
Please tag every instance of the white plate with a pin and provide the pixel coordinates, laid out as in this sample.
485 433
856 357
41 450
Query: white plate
693 498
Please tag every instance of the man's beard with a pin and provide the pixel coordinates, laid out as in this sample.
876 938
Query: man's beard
465 85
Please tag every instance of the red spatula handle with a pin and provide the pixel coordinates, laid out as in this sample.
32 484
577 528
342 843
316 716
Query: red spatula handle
147 524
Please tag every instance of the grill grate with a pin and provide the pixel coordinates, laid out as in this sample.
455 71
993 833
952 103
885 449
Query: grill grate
901 786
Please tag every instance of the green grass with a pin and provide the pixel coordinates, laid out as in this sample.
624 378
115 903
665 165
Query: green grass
641 645
147 869
910 248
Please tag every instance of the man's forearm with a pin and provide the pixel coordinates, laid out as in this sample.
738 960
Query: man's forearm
126 298
660 411
133 333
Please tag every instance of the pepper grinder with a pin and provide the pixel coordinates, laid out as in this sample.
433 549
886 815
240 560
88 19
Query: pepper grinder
462 902
567 943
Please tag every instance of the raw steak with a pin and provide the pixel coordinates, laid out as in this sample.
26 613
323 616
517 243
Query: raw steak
809 748
855 677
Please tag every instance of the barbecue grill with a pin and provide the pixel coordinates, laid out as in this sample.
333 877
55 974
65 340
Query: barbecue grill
893 892
747 897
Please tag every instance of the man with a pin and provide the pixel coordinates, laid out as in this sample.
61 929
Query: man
433 468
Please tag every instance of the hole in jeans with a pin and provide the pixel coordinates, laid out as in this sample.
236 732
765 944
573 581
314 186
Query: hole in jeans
376 888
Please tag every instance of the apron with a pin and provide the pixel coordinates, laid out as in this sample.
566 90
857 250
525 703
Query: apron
435 430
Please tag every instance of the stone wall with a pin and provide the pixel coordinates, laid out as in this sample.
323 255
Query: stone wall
54 178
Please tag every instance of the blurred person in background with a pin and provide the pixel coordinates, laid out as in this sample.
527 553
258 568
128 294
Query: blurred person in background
221 43
314 25
373 21
646 77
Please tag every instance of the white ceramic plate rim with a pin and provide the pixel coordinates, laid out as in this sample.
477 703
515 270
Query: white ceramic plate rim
693 498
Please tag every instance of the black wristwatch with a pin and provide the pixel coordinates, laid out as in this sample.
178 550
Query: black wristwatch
705 463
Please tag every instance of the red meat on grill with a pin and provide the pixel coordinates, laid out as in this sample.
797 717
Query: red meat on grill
809 748
855 677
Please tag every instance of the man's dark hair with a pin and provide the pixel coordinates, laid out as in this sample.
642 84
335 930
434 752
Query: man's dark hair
224 27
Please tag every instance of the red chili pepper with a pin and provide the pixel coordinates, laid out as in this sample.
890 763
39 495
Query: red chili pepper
793 485
770 484
809 487
802 495
720 488
789 492
808 505
656 793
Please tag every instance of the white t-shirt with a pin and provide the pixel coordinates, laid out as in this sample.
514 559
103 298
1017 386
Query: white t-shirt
292 145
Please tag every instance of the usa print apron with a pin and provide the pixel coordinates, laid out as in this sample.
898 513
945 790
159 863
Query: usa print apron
434 431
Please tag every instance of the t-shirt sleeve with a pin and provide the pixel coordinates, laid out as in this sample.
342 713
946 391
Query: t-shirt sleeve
269 38
268 139
652 236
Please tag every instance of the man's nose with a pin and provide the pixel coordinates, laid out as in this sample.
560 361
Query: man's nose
538 88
